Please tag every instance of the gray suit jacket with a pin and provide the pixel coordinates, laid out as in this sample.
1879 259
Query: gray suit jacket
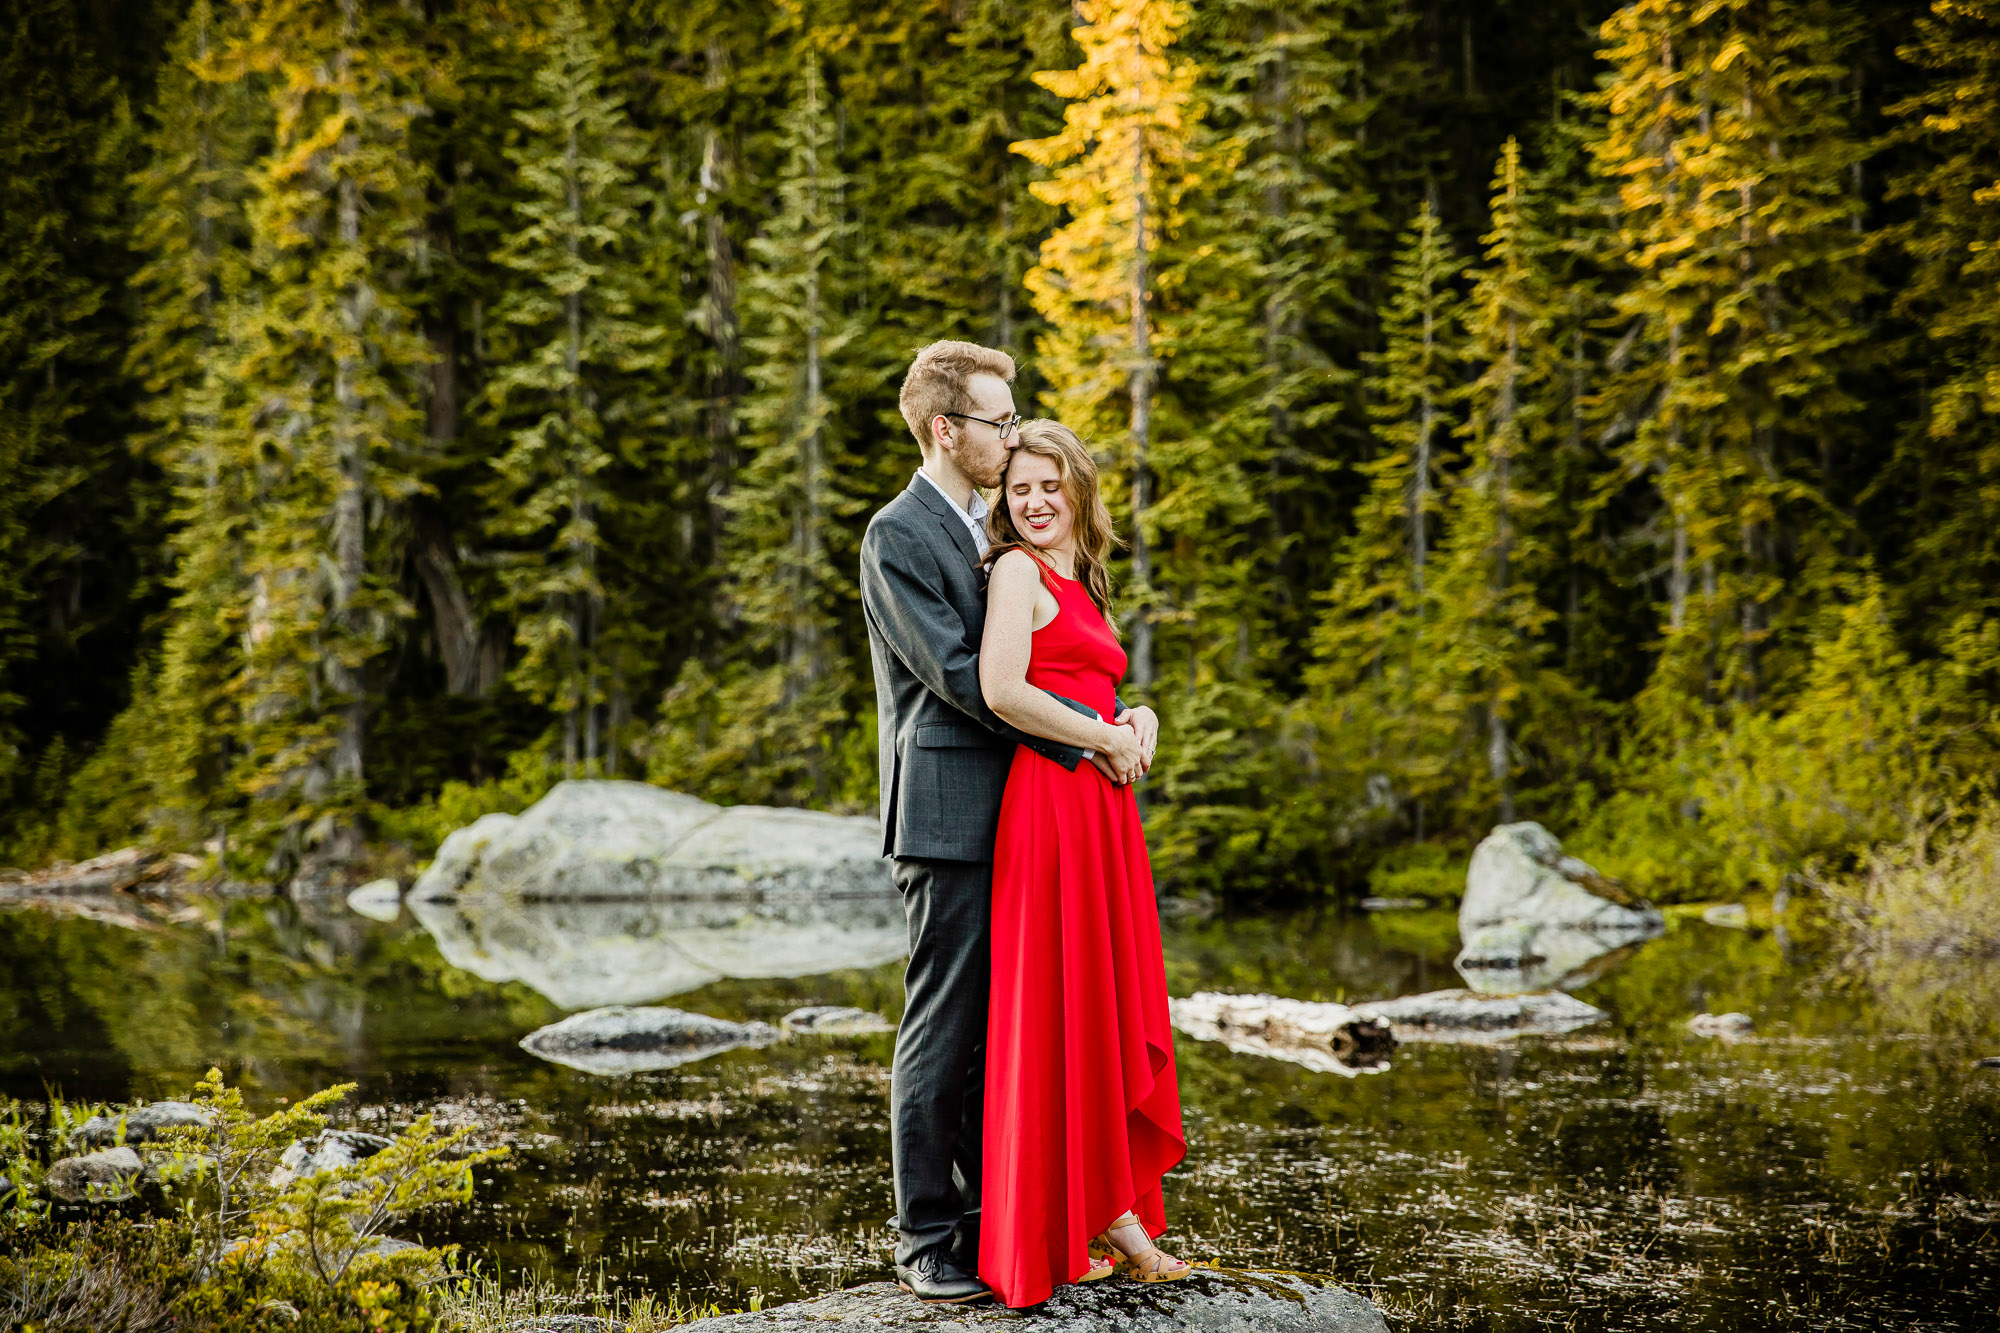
943 754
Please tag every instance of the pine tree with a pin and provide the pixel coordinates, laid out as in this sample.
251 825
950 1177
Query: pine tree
1296 90
76 514
192 231
1953 565
329 431
1727 139
1377 688
775 725
1121 164
569 393
1485 637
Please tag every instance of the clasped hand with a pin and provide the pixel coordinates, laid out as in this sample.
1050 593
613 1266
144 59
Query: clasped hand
1128 754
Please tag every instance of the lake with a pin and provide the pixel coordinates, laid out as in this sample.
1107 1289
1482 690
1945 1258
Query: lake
1835 1169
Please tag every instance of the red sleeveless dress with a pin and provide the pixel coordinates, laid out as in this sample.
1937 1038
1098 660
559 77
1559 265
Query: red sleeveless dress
1083 1112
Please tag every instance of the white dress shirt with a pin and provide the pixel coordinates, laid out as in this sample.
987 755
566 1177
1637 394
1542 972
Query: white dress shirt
973 518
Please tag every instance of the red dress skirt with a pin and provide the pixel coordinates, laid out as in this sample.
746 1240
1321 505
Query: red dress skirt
1083 1113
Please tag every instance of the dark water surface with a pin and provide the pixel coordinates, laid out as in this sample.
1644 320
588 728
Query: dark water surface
1834 1171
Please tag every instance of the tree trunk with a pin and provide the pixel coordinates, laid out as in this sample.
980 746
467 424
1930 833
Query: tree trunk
1142 426
350 550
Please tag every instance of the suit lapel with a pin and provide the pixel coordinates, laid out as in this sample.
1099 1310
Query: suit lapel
933 499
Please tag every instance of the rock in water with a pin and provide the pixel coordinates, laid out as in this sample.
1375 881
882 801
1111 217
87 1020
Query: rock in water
1214 1300
621 1040
1533 918
1720 1025
143 1124
99 1177
1326 1038
606 840
1471 1016
1733 916
333 1150
833 1020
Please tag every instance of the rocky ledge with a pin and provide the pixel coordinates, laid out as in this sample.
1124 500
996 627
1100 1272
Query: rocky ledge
1212 1301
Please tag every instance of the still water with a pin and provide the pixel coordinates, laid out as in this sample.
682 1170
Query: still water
1835 1170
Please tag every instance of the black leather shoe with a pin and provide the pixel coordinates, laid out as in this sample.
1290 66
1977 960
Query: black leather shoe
935 1280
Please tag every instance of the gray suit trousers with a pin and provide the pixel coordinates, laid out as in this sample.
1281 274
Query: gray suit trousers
937 1086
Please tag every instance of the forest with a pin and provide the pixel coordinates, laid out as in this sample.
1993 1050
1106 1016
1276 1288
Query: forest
1555 411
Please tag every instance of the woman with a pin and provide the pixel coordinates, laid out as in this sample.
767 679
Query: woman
1083 1114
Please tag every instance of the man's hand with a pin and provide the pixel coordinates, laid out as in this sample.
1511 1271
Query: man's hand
1121 751
1146 723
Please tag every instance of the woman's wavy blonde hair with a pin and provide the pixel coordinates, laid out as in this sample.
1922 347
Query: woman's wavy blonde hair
1077 470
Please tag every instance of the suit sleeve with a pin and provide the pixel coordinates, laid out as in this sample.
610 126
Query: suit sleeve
900 592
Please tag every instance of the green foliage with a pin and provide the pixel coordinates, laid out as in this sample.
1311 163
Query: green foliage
245 1249
394 396
576 351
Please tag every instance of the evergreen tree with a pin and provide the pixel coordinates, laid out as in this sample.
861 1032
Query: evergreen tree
77 517
192 233
1296 90
329 431
1727 139
1953 240
775 726
1121 164
569 393
1379 690
1485 638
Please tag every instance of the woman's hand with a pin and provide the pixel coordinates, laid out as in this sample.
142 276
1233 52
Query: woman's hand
1145 723
1121 750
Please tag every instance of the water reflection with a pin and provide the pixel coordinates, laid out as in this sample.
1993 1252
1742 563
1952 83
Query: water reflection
1835 1171
1523 957
585 954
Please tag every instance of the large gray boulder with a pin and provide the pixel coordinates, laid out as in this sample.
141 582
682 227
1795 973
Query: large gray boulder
1211 1301
1533 918
608 841
106 1176
621 1040
142 1124
608 893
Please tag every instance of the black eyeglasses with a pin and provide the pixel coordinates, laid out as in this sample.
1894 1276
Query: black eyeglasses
1006 428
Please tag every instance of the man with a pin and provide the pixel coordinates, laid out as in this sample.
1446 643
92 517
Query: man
943 760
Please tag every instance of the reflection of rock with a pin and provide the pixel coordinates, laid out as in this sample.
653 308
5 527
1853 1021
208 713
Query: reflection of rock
1533 918
1326 1038
378 900
99 1177
621 1040
620 840
583 954
833 1020
1211 1301
1469 1016
1720 1025
142 1123
1733 916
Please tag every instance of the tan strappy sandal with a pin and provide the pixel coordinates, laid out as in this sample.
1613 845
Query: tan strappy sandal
1101 1266
1153 1265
